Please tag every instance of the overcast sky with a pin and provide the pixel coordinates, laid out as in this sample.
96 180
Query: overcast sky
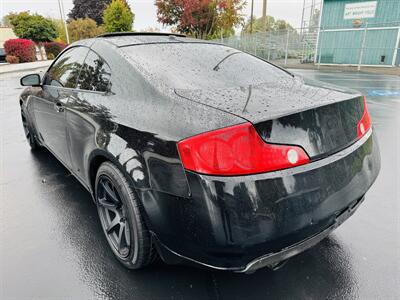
145 11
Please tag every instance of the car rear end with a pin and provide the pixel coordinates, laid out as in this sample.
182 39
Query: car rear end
305 181
297 165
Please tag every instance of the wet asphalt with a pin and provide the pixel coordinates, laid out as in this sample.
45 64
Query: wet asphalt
52 245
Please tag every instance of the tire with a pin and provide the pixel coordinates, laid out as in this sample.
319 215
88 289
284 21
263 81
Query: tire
116 200
29 133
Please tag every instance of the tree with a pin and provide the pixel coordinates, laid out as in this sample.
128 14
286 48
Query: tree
228 16
118 17
283 25
258 24
61 36
6 21
92 9
201 18
82 29
272 25
33 27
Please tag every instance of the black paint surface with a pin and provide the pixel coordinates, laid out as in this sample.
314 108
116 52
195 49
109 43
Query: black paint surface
44 255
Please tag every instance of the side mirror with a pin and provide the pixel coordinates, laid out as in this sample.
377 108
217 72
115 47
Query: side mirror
31 80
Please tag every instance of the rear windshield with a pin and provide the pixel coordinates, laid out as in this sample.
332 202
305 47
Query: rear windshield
200 66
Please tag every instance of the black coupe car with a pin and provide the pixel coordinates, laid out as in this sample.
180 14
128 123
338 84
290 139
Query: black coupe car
199 153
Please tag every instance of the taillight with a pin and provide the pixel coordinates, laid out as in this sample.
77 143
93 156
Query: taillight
237 150
365 122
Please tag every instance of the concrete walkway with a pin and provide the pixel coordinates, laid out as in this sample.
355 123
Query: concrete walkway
8 68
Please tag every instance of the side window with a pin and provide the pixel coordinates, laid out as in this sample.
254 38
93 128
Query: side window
95 74
65 71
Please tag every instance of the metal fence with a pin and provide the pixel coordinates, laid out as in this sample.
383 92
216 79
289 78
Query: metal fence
361 45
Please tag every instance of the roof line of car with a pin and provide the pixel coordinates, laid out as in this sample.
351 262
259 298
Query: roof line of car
160 42
116 34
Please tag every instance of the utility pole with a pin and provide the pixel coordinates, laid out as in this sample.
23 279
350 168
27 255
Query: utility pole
61 7
251 17
302 18
264 16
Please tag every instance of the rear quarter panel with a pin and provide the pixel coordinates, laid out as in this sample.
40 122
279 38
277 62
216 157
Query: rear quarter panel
137 126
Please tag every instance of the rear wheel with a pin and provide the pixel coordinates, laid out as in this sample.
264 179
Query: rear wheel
120 217
30 137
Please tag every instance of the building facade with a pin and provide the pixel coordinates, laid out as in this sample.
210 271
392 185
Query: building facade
6 33
359 32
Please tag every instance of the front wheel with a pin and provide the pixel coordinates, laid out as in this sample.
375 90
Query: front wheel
120 217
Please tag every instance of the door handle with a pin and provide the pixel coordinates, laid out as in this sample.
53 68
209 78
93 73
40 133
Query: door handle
59 107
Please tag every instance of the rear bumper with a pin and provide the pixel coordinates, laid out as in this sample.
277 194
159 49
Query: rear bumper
269 260
248 222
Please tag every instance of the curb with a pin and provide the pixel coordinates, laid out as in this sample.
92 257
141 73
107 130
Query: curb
28 68
23 70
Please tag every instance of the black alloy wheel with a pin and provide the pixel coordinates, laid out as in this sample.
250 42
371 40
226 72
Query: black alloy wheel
121 219
113 218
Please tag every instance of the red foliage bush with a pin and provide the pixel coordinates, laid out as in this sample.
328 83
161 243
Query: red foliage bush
21 48
54 48
11 59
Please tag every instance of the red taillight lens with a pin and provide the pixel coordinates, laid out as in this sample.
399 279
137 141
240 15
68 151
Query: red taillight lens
237 150
365 122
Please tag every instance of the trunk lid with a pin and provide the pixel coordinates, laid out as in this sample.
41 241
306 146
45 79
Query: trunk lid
319 117
319 131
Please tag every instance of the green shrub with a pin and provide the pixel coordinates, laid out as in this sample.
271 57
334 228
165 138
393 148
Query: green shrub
83 29
53 48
